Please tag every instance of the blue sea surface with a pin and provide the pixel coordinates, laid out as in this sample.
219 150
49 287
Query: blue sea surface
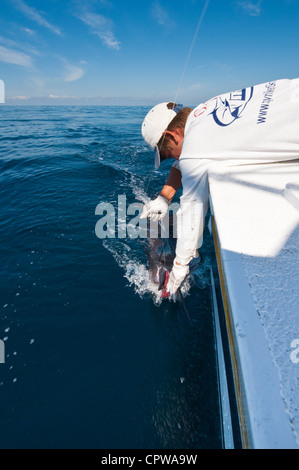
93 359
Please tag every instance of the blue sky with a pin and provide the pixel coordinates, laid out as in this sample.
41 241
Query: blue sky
135 52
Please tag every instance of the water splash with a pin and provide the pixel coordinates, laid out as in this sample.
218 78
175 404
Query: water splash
135 271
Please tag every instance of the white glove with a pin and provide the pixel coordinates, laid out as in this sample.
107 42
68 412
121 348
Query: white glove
155 209
176 277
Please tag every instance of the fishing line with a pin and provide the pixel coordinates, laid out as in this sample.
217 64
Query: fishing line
201 18
191 47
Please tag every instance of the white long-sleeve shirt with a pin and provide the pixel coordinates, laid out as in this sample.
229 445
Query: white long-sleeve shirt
258 124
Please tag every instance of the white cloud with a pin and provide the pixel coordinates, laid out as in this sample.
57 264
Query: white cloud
12 56
109 39
19 98
252 8
34 15
101 27
57 97
161 15
73 73
29 31
23 46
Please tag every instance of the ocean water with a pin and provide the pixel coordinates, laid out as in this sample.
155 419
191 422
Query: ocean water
93 357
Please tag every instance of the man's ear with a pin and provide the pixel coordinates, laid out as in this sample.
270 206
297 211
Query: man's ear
174 135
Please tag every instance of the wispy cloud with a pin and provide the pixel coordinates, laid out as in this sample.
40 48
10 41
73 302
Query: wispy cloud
18 98
34 15
101 26
11 56
22 46
56 97
161 15
41 99
73 73
29 31
251 8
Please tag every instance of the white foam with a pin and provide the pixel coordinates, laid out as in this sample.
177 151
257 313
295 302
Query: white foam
138 191
135 271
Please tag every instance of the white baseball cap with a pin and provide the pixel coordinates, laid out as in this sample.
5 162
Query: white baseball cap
155 123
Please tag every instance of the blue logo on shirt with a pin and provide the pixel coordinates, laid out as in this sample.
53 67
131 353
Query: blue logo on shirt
230 107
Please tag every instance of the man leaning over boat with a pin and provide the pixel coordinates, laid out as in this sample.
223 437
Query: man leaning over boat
258 124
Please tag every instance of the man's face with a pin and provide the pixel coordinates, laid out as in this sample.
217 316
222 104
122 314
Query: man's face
174 147
176 151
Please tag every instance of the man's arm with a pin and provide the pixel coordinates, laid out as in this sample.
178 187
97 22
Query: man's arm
190 220
158 208
173 183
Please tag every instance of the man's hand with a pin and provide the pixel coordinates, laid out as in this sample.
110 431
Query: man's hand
155 209
176 277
